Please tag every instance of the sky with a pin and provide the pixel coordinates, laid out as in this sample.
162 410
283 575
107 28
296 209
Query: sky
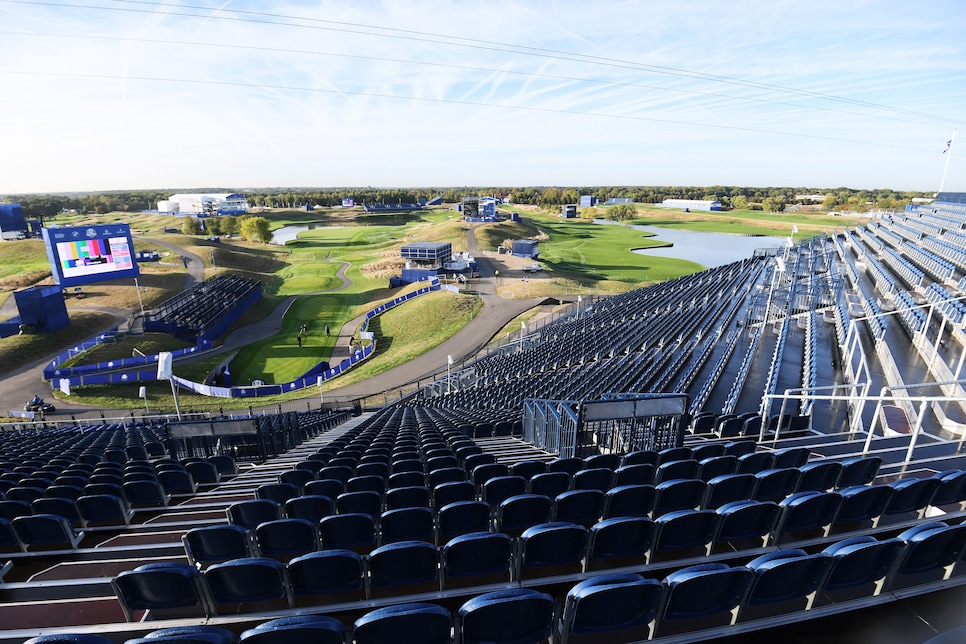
234 94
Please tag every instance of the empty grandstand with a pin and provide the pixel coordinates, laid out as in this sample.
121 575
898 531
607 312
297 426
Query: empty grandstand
755 446
206 310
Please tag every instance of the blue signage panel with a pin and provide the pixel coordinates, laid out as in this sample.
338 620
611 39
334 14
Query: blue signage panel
88 254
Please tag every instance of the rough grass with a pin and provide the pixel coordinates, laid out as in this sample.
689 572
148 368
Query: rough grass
19 351
148 344
409 331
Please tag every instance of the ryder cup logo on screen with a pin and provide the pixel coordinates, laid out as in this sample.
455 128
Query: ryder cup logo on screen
91 232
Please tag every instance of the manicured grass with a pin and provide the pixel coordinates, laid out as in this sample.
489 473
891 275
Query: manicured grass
279 359
587 253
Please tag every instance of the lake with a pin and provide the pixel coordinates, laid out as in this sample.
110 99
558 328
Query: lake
707 249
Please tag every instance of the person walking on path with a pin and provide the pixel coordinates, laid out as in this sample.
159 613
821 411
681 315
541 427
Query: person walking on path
326 330
304 330
299 338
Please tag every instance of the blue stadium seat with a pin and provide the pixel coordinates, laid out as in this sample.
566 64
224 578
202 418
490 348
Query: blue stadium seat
286 538
46 530
584 507
598 478
199 634
629 501
860 567
678 494
640 474
320 629
352 531
932 550
755 462
498 489
777 484
550 484
554 548
746 524
569 465
477 558
819 477
462 517
528 468
412 496
728 488
312 507
416 623
717 466
862 505
703 596
785 581
910 498
807 514
407 524
158 587
366 502
514 616
278 492
859 470
68 638
617 607
951 490
145 494
252 580
336 575
453 491
331 488
249 514
406 567
622 541
676 469
648 457
517 513
683 533
216 544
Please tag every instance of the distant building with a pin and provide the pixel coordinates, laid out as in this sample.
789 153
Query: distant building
12 223
204 204
816 198
588 201
424 260
526 248
690 204
613 201
478 208
568 211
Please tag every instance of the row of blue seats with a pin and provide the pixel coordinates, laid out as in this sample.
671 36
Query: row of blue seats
622 540
617 607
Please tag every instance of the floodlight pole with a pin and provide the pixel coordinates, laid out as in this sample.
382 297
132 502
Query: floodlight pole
949 155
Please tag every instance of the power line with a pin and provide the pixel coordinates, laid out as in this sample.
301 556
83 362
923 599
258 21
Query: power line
158 79
419 36
490 70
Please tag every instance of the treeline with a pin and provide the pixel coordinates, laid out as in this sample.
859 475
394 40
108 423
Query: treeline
39 206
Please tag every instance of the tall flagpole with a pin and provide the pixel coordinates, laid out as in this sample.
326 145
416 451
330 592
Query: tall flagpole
949 155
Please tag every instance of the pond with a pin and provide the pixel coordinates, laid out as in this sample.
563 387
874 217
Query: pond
707 249
286 234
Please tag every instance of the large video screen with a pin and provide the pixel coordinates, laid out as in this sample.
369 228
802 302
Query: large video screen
90 254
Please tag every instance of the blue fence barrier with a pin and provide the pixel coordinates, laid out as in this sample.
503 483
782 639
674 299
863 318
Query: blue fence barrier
94 374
